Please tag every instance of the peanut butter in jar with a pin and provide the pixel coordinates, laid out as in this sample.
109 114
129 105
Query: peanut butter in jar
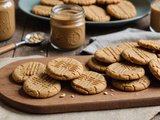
7 19
67 26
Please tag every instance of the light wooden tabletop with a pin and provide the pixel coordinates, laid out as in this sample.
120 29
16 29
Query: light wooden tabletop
26 24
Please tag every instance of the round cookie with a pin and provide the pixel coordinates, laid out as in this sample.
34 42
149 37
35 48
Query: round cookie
42 10
89 83
96 13
126 45
96 65
154 66
22 72
42 86
131 86
80 2
122 10
125 71
109 54
64 68
138 55
150 44
51 2
108 1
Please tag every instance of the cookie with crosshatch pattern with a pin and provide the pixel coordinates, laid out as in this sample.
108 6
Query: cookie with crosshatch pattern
64 68
108 1
42 10
89 83
42 86
51 2
80 2
22 72
132 85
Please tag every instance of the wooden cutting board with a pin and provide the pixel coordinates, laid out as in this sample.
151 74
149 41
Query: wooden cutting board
13 95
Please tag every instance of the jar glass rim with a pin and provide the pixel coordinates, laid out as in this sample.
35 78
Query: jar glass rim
79 9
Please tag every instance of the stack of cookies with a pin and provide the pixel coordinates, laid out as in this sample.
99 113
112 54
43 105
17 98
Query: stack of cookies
126 64
95 10
42 81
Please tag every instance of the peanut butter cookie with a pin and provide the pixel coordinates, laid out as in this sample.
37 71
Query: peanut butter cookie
42 86
122 10
108 1
154 66
125 71
51 2
97 65
128 45
138 55
150 44
80 2
42 10
109 54
89 83
64 68
22 72
96 13
132 85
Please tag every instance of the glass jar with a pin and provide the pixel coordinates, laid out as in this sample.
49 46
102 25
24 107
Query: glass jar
7 19
67 26
155 16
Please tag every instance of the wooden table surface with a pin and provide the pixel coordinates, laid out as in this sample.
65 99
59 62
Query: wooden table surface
26 24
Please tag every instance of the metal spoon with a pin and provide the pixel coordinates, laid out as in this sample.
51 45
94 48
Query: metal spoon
26 41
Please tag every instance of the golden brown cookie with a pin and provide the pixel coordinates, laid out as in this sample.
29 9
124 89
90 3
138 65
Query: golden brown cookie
132 85
97 65
42 10
96 13
154 66
122 10
138 56
64 68
108 1
51 2
125 71
26 70
89 83
80 2
42 86
126 45
150 44
109 54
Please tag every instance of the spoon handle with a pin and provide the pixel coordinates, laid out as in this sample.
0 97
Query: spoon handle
7 48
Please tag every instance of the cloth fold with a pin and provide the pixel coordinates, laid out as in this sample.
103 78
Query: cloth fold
127 35
8 113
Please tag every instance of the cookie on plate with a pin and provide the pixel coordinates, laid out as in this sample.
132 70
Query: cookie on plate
132 85
89 83
64 68
51 2
108 1
97 65
42 10
125 71
109 54
22 72
154 66
150 44
80 2
122 10
96 13
126 45
138 56
42 86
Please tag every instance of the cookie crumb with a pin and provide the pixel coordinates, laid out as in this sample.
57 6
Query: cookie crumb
111 94
72 96
105 93
112 90
63 95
